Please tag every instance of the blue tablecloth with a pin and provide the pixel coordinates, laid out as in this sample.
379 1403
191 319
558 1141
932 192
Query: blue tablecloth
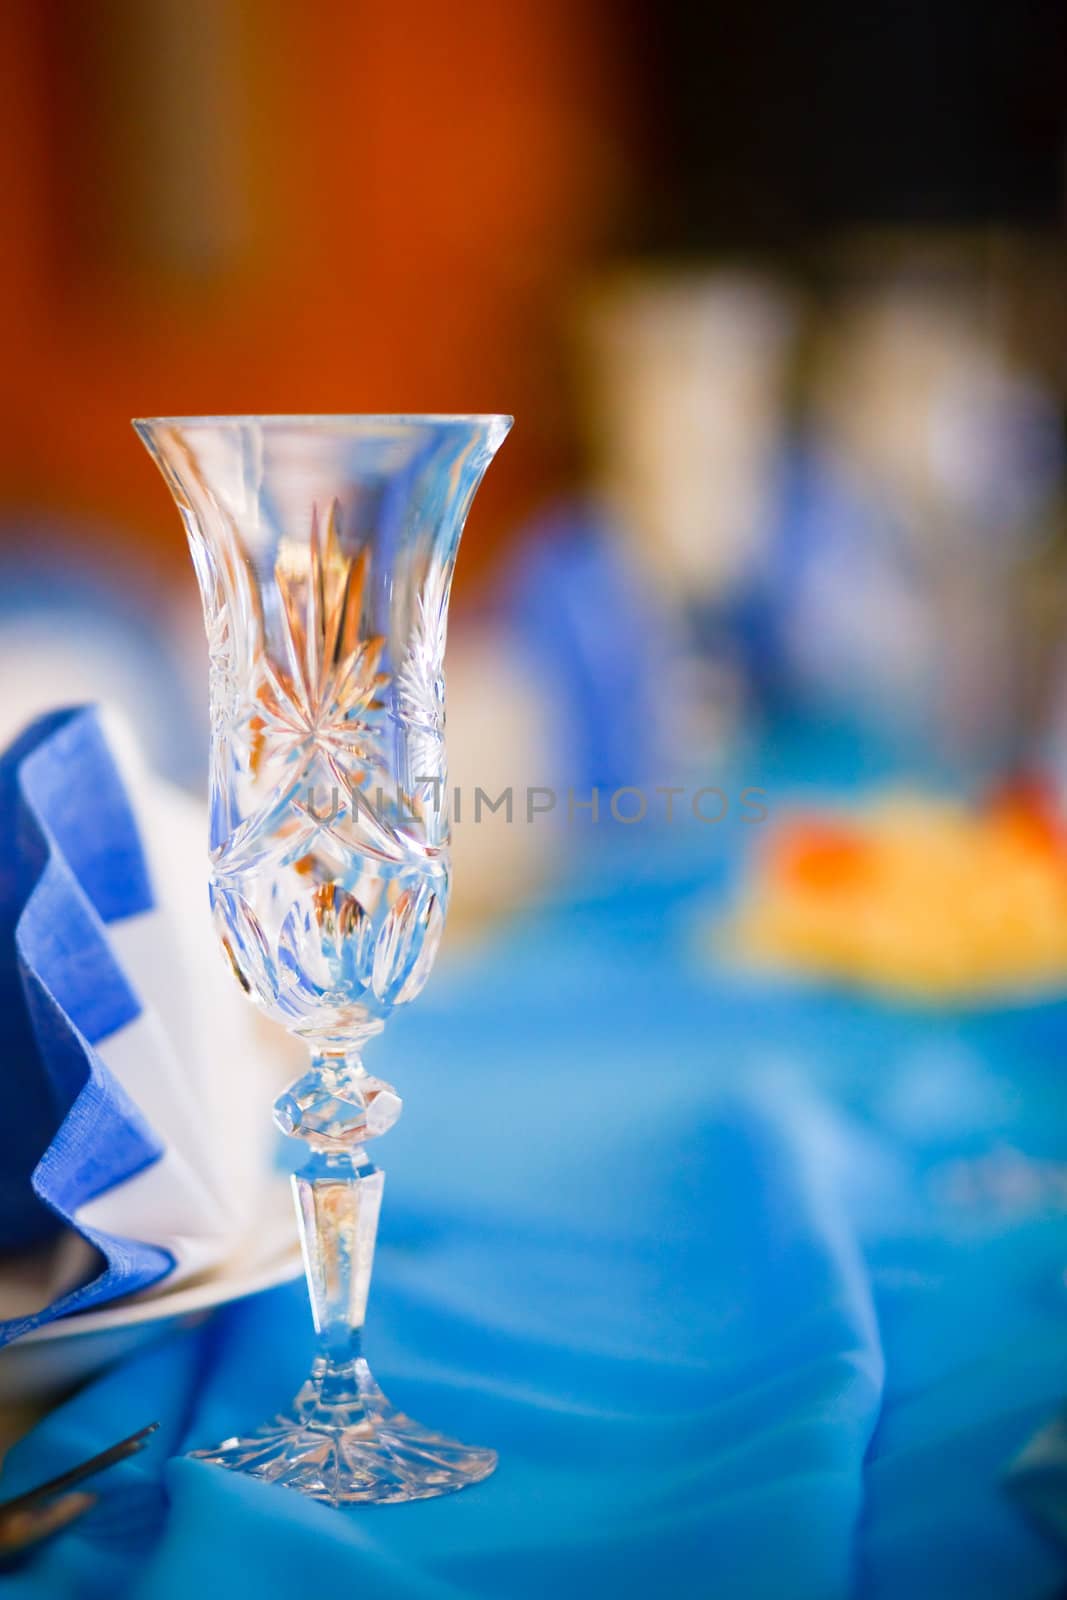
726 1272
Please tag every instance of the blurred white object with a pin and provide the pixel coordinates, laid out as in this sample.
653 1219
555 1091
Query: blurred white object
954 455
77 629
500 721
52 1358
688 373
919 392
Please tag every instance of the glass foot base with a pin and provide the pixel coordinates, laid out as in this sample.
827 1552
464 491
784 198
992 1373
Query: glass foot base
353 1451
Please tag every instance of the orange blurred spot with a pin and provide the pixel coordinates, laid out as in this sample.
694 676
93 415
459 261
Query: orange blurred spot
810 854
1027 809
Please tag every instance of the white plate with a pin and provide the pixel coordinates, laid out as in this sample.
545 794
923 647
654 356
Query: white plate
60 1354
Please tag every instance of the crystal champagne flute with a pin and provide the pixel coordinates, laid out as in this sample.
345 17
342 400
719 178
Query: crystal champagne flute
324 549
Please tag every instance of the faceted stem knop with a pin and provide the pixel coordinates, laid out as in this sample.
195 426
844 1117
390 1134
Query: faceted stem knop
337 1104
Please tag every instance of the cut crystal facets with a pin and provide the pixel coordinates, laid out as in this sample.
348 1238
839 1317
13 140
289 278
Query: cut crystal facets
365 1452
334 1106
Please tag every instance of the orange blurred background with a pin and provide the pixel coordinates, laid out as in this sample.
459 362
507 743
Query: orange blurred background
217 207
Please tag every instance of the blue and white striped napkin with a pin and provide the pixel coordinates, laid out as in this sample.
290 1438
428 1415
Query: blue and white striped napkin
135 1145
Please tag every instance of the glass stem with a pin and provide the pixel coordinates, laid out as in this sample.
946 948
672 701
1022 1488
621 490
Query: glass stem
338 1200
335 1107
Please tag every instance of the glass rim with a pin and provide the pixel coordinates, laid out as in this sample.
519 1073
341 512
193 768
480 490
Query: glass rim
333 419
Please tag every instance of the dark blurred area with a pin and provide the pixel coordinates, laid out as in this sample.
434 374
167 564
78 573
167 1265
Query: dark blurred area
779 121
776 295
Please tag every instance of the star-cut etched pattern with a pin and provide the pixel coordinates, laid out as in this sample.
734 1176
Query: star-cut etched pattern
365 1454
319 706
225 683
420 687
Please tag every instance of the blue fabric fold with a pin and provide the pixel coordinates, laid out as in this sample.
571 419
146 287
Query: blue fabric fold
73 864
691 1254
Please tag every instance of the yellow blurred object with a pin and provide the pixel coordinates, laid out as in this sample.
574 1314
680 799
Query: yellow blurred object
916 895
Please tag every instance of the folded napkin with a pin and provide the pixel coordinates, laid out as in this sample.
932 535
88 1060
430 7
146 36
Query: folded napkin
136 1145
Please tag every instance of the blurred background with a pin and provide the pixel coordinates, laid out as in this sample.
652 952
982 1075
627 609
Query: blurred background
775 293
